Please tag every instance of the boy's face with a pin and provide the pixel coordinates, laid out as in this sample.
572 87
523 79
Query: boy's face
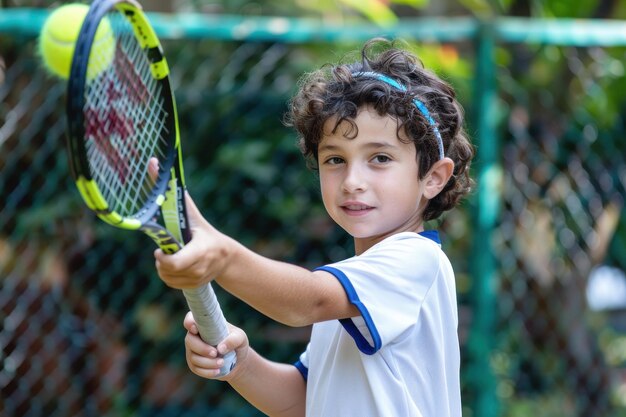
370 183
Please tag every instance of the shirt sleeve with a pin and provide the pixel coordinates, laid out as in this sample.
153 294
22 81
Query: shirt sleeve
388 284
303 363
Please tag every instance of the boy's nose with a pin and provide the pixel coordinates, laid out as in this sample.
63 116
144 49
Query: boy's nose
354 180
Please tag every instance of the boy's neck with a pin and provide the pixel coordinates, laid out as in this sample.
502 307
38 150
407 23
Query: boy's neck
363 244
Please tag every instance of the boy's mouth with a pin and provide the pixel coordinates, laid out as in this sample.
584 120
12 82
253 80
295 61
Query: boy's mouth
356 208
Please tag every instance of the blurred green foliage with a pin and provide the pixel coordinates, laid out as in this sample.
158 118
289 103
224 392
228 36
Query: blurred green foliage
561 121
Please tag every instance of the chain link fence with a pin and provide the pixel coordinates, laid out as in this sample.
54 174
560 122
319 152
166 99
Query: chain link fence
561 237
89 329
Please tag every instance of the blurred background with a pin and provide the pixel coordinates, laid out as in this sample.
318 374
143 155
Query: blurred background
539 248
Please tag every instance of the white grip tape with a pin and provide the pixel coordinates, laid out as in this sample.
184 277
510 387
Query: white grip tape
210 321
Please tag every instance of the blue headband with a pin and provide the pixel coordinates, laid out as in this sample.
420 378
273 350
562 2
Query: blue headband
420 106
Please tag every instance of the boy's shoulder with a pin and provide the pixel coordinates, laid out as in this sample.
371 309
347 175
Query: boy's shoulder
407 251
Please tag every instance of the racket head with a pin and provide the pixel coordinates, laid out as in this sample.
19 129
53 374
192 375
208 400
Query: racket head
121 113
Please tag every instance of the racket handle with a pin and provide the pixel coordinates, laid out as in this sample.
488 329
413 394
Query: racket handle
210 321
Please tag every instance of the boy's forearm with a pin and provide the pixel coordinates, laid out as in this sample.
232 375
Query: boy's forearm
276 389
287 293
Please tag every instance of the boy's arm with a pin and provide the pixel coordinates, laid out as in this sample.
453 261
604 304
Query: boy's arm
276 389
287 293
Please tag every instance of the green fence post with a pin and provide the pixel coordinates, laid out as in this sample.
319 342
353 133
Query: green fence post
482 381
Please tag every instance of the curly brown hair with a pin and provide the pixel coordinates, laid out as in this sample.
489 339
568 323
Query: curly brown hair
335 94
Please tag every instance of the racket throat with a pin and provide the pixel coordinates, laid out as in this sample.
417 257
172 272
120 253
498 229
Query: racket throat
161 237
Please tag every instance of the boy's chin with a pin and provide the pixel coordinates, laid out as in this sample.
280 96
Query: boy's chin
370 235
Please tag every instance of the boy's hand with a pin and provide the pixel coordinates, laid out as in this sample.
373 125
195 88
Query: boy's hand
201 260
203 359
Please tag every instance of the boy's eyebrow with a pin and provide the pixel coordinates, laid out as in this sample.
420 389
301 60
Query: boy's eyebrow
373 145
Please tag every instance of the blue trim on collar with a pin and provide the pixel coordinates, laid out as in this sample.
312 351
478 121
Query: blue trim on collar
361 342
432 235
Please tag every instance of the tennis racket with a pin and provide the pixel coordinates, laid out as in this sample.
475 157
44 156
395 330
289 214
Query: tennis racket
121 114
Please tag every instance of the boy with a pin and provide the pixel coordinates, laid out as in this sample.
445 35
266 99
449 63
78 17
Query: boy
387 138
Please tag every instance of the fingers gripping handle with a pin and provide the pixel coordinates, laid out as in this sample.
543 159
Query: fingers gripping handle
202 301
210 321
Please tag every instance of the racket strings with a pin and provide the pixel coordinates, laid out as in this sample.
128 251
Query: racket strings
125 124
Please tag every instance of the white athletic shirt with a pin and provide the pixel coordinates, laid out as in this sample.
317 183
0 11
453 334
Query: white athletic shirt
400 358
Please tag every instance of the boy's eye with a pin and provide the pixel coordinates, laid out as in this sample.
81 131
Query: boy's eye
381 159
334 160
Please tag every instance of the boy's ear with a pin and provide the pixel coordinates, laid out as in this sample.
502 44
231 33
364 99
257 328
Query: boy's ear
438 177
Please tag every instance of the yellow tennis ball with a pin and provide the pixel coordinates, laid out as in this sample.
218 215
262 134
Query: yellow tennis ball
58 38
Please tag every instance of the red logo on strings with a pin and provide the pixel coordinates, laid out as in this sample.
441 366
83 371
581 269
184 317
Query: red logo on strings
112 123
